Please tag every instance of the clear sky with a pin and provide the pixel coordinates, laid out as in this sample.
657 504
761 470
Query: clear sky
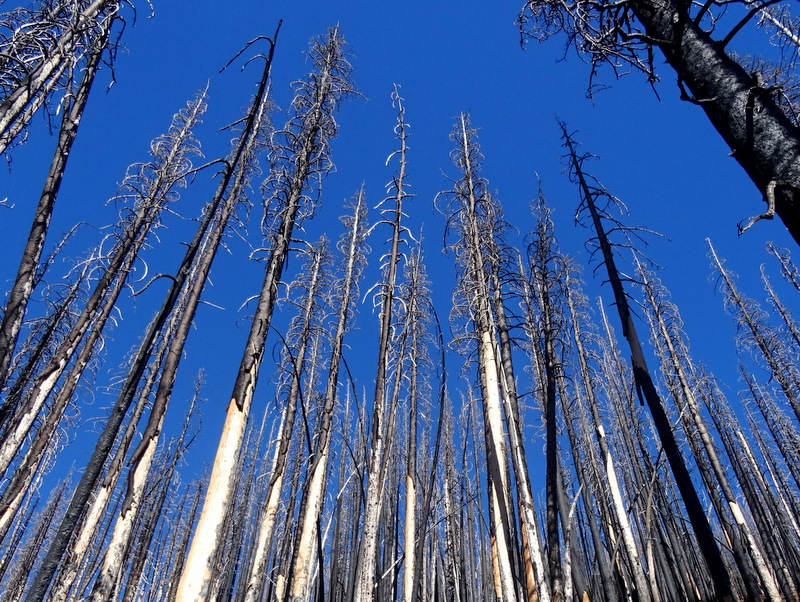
659 156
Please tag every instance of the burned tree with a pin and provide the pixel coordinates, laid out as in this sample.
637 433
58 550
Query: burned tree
745 110
590 193
304 157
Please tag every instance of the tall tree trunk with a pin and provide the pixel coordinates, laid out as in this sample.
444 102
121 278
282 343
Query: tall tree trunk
21 290
647 391
632 553
314 487
473 203
383 419
675 357
171 168
310 132
749 317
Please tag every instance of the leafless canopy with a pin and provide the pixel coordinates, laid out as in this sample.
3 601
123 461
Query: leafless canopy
607 32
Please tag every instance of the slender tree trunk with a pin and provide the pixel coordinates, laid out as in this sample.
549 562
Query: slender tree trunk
382 420
20 292
535 576
314 488
100 304
787 373
471 196
647 391
675 363
620 512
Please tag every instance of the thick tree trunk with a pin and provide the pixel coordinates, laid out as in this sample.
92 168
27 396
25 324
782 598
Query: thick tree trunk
647 392
762 139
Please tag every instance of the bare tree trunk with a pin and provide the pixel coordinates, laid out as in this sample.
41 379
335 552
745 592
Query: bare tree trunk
117 549
18 107
84 536
23 283
546 275
15 586
647 391
472 212
762 139
383 419
675 357
314 487
749 317
170 168
311 133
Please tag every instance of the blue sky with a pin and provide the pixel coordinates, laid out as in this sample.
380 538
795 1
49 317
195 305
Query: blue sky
659 156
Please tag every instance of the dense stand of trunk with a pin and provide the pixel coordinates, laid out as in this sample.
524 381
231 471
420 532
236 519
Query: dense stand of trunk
22 288
212 225
308 135
647 390
282 521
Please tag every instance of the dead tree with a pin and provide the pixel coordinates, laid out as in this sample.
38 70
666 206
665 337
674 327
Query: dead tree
632 556
313 281
788 269
383 413
305 156
470 214
351 246
672 349
646 390
20 292
149 186
43 46
546 329
743 108
759 334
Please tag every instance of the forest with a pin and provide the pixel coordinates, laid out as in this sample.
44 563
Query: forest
321 303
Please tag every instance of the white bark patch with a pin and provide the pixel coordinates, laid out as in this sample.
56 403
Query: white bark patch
196 577
13 443
306 545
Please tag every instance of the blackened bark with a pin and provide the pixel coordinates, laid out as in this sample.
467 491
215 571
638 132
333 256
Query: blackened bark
23 284
762 139
647 392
